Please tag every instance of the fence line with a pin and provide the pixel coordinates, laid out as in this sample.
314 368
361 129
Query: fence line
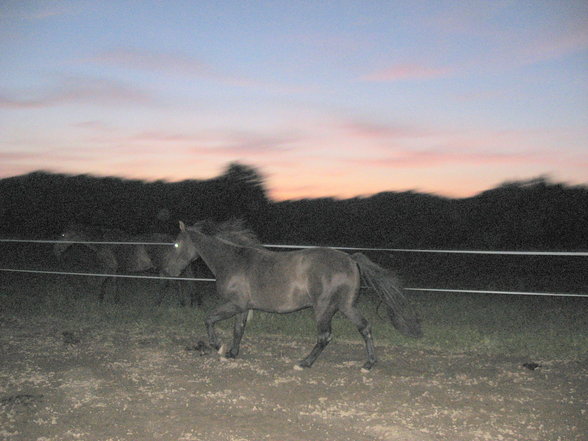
85 242
407 250
482 291
125 276
202 279
284 246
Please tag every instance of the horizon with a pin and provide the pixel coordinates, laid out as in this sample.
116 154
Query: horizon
344 99
524 182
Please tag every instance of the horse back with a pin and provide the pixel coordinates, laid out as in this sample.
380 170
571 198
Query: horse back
288 281
137 257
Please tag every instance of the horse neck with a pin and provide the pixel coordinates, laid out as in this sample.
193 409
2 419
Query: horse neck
216 253
85 237
100 236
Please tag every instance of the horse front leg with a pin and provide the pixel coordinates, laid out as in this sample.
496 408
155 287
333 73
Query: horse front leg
238 331
222 312
195 297
161 291
102 289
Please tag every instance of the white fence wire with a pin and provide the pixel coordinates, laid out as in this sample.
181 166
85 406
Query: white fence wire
285 246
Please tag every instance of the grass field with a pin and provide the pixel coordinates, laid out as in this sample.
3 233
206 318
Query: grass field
533 327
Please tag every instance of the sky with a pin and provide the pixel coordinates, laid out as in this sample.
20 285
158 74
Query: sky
324 98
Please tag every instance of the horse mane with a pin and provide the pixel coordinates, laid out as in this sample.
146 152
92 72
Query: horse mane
233 230
97 232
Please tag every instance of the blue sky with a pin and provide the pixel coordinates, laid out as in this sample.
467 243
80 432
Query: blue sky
333 98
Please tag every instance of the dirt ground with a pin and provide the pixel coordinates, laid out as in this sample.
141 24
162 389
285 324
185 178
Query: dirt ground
144 384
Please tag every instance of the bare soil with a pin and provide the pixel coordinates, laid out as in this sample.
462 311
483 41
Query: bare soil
132 383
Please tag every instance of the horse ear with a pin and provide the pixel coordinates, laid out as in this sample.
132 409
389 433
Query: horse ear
182 226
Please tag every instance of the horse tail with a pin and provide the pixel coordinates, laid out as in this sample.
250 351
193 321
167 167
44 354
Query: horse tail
387 286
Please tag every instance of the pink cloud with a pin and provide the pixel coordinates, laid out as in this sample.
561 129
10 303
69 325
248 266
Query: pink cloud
102 91
95 125
40 10
217 142
511 50
431 158
85 90
261 147
155 61
17 156
224 145
165 137
44 157
403 72
365 129
24 103
183 65
558 45
512 47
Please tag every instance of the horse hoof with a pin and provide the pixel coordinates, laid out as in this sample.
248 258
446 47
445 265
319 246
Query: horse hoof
367 367
297 367
231 355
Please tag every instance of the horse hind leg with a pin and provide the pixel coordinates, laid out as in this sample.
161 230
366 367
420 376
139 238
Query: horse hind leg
365 329
180 292
106 289
323 338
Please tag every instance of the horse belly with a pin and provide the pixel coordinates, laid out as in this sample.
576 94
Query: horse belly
279 297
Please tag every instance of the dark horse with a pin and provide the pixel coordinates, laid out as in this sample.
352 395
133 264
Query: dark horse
327 280
136 258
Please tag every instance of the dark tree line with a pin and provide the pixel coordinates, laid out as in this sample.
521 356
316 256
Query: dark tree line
42 204
532 214
535 214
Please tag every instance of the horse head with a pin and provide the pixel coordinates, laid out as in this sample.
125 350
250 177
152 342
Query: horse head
183 252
